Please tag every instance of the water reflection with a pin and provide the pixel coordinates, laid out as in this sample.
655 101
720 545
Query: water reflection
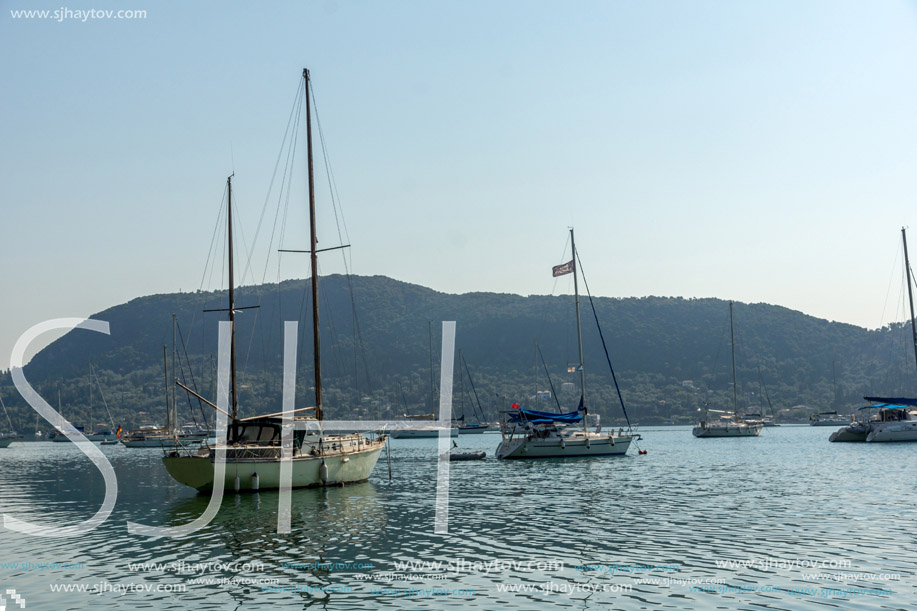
688 504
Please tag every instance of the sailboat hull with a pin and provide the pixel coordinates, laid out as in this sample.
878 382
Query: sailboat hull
5 442
60 437
562 448
264 474
726 431
893 431
163 441
855 432
472 429
421 433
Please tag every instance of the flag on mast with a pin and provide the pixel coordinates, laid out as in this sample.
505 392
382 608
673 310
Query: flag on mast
561 270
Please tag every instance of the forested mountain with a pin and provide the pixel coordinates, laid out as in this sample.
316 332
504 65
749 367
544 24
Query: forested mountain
670 354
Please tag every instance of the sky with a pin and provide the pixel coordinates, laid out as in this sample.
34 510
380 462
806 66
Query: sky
761 151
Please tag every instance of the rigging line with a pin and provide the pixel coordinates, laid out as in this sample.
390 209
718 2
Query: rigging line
579 263
480 412
104 402
404 400
547 304
888 290
181 338
287 169
553 392
240 228
766 396
270 188
213 238
181 373
332 183
303 302
5 411
286 196
358 331
716 365
332 330
740 358
340 221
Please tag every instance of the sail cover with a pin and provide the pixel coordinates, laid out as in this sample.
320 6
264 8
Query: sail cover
536 417
892 401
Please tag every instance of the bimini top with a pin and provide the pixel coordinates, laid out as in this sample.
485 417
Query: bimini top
892 402
536 417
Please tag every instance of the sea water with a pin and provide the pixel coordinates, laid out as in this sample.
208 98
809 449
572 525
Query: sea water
786 520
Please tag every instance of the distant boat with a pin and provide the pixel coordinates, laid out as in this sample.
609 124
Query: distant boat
759 417
172 435
431 430
7 438
422 432
59 433
728 425
831 418
464 427
168 437
253 445
536 434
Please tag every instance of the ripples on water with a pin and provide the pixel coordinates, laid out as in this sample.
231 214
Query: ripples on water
787 496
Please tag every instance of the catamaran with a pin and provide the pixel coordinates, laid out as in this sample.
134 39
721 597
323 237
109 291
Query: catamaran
252 447
531 433
896 417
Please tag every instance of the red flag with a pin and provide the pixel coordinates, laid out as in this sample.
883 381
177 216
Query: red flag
560 270
118 433
514 406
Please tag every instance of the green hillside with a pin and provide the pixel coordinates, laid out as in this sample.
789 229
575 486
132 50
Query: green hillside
670 354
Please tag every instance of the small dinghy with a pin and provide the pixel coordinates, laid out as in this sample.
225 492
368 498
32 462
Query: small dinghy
467 455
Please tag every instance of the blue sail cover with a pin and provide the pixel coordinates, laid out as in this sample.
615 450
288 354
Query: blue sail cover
892 402
536 417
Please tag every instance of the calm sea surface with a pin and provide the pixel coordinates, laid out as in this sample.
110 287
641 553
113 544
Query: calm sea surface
783 521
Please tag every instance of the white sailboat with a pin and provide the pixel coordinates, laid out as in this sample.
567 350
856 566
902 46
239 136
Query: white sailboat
432 430
829 418
253 445
535 434
173 435
728 425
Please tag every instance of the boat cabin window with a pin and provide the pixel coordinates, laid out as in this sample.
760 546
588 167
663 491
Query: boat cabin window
258 433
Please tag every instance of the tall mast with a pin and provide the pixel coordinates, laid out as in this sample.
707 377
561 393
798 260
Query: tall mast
173 412
579 329
432 383
910 296
232 320
462 385
735 391
316 343
92 427
165 377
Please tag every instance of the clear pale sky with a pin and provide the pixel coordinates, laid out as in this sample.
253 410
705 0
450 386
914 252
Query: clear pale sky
762 151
